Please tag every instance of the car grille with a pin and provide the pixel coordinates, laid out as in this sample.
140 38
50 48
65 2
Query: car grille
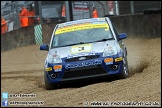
86 58
82 73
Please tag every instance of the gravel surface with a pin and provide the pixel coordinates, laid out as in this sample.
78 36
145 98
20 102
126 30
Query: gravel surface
22 73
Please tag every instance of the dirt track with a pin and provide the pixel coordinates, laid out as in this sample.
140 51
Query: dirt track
22 73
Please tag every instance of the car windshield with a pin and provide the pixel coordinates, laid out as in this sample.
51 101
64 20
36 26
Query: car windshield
81 33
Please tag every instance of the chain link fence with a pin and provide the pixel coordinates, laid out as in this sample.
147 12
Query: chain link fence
81 9
7 11
10 11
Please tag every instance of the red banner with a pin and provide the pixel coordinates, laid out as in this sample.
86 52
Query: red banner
79 5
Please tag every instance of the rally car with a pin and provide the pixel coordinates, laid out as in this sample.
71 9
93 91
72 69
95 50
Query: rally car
84 49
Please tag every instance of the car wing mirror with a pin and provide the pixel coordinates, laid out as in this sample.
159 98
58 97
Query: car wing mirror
122 36
44 47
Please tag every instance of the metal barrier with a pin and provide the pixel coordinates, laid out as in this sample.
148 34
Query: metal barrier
10 11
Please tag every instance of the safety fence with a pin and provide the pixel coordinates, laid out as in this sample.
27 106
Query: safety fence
10 11
81 10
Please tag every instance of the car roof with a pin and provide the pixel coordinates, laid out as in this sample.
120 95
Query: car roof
82 21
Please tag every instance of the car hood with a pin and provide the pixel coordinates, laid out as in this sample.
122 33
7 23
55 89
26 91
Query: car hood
96 47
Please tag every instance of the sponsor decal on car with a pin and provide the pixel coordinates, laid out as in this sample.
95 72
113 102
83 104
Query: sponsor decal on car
82 64
108 61
80 54
57 68
118 59
81 48
48 69
85 21
81 26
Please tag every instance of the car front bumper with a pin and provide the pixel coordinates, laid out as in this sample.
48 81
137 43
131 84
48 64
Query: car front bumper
83 72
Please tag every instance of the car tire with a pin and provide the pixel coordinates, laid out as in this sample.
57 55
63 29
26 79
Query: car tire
49 86
125 72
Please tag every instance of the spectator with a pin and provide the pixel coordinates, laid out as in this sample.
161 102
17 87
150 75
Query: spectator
95 13
31 15
4 27
24 15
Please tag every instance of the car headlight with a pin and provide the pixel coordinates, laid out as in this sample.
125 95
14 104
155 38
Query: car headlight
109 51
53 59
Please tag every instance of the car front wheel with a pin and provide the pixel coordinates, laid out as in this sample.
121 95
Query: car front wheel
125 72
48 85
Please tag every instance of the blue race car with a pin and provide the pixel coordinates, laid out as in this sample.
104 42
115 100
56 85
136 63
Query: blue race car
84 49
